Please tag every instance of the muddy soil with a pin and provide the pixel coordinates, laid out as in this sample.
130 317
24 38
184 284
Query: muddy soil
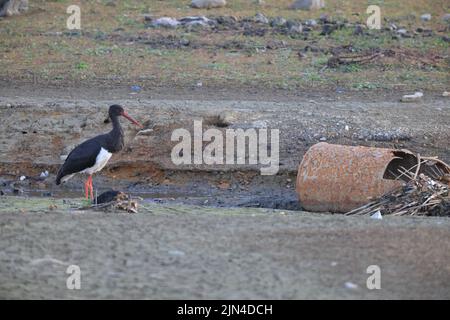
192 252
39 125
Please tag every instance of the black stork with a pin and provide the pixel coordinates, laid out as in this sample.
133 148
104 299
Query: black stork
93 154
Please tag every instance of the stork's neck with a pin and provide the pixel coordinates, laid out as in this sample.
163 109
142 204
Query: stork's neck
116 135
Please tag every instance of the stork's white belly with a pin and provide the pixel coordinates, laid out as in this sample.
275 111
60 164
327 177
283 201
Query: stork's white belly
101 160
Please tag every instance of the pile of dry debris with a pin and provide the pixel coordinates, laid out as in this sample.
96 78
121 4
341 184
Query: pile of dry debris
426 194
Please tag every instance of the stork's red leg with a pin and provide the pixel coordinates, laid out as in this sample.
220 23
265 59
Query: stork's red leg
91 188
86 185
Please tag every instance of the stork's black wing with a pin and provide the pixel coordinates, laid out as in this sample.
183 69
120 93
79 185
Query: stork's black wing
80 158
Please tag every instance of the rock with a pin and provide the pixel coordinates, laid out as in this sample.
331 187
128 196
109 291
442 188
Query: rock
328 29
185 42
207 4
412 97
260 18
323 139
425 17
294 27
324 18
2 193
166 22
259 2
12 7
201 21
278 22
446 38
446 17
311 22
147 17
358 31
308 4
17 190
446 94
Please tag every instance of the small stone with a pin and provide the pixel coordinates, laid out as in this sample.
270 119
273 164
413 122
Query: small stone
199 84
328 29
17 190
358 31
446 17
185 42
2 193
311 22
207 4
425 17
8 105
147 17
295 28
165 22
308 5
278 22
260 18
446 94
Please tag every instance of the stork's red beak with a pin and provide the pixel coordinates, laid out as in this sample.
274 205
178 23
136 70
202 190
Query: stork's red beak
131 119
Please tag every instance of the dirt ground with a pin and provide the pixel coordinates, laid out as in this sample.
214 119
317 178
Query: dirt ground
191 252
216 231
195 235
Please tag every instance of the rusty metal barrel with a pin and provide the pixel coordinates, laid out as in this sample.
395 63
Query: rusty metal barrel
336 178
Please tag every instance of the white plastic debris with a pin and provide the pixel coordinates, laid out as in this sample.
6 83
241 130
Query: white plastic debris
446 94
44 174
412 97
377 215
22 178
347 128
